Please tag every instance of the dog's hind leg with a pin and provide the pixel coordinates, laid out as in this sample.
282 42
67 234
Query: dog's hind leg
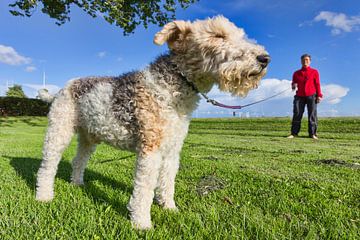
62 122
84 150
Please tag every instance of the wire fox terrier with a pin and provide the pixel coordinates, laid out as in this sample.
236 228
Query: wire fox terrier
148 112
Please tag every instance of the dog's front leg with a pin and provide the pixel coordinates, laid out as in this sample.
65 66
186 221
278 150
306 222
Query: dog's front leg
166 181
146 175
170 162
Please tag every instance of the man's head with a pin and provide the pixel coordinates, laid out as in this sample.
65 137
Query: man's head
305 60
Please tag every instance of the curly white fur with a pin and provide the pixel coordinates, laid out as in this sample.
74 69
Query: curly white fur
148 112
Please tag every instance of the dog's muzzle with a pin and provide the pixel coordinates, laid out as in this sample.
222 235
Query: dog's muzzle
264 60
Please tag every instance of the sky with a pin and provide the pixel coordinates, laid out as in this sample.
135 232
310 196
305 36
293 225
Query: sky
329 30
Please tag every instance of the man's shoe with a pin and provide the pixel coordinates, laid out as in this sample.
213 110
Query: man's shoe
314 137
291 136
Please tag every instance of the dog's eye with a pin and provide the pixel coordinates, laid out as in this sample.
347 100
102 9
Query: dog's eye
218 35
237 58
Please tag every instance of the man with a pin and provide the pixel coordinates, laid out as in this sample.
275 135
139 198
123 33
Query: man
307 82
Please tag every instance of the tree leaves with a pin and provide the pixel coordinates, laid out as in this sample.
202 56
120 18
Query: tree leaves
16 91
126 14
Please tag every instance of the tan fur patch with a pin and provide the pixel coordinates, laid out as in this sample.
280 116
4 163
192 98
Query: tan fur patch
174 33
150 121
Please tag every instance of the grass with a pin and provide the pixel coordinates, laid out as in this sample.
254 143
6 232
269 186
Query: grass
238 179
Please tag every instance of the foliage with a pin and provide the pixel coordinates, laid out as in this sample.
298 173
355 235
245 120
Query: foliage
269 187
15 106
123 13
16 91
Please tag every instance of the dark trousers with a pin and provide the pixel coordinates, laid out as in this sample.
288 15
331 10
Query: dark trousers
298 111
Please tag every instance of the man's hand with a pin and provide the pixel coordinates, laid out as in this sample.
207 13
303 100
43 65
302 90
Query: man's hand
294 86
318 100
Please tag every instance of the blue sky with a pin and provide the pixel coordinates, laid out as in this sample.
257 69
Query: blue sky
327 29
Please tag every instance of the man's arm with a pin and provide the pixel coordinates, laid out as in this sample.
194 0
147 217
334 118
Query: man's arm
294 82
319 95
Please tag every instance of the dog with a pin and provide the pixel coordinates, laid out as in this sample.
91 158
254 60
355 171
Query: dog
148 112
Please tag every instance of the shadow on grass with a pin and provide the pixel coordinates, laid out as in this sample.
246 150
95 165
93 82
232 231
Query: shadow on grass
28 167
231 132
117 159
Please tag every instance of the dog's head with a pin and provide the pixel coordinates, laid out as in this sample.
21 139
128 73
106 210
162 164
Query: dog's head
216 51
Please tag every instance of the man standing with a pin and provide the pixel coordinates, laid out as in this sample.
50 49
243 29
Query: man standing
307 82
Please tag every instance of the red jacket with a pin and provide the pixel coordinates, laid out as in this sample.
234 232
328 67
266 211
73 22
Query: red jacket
308 82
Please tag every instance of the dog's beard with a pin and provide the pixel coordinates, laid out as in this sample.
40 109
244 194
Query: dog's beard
238 82
258 72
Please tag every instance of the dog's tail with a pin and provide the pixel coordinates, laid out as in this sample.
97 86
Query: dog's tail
44 95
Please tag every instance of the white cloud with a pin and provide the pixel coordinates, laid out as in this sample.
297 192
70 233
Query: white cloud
267 88
270 87
101 54
339 22
30 69
3 90
306 23
280 105
5 83
8 55
333 93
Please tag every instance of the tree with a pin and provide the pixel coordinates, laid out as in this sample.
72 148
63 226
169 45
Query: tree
16 91
127 14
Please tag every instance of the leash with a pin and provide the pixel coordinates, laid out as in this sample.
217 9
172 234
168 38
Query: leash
216 103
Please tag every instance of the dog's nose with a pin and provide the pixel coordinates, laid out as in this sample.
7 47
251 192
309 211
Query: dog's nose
263 59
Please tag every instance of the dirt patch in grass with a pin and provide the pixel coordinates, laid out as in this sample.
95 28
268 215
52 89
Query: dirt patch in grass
213 158
301 151
208 184
337 162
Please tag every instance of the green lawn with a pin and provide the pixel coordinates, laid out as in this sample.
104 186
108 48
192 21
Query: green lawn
238 179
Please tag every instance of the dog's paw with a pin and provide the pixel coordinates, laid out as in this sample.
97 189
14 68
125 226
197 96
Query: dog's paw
77 182
166 204
170 206
141 224
44 197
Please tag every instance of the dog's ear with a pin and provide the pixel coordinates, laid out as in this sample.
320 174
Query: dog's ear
173 32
